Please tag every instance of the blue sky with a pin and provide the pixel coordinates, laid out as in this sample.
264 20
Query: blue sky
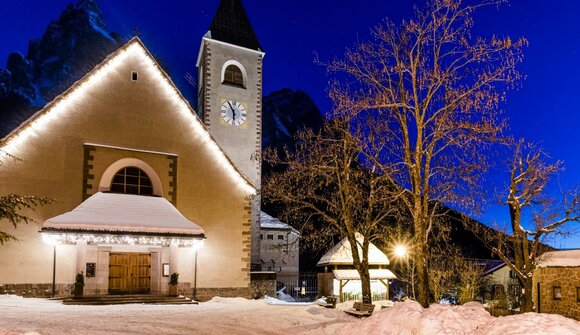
544 109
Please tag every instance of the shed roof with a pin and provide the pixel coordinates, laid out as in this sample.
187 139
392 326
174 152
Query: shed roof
341 254
124 213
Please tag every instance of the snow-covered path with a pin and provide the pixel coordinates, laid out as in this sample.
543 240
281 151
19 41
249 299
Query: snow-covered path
241 316
219 316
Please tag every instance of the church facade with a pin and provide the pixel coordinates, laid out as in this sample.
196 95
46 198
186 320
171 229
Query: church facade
143 186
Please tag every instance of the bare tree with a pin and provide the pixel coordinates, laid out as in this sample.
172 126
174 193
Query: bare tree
435 90
330 190
471 281
521 248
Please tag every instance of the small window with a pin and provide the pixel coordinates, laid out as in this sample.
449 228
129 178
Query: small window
134 76
577 294
557 292
270 237
233 76
513 275
132 180
281 237
261 236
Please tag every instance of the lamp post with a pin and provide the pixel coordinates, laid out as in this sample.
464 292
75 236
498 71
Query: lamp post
51 241
402 252
53 270
196 246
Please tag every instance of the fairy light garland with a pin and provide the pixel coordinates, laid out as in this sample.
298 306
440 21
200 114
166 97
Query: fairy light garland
104 239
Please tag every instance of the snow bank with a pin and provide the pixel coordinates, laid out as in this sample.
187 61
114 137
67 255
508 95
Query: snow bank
241 316
531 324
410 318
274 301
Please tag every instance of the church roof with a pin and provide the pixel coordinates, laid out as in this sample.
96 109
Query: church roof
231 25
60 105
124 213
341 254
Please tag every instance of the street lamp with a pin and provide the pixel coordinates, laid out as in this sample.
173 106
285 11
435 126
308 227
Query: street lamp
401 251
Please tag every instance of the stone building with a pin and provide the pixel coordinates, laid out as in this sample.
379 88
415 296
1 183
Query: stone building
556 283
280 245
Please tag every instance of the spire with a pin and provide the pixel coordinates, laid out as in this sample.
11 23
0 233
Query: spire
231 25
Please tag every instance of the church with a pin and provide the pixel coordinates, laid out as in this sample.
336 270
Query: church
143 184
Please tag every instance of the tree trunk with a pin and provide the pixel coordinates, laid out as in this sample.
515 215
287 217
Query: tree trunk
422 277
526 296
422 265
366 286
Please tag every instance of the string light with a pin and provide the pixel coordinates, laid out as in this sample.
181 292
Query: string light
53 112
73 238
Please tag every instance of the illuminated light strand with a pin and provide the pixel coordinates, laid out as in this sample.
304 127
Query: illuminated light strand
198 127
73 238
53 110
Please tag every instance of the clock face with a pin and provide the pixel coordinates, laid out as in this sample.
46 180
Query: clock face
233 112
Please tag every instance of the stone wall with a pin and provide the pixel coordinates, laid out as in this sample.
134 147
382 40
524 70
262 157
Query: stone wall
263 283
205 294
36 290
568 279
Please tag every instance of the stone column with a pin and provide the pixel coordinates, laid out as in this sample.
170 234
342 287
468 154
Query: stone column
155 269
103 257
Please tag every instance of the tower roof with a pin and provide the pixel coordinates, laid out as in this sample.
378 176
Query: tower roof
231 25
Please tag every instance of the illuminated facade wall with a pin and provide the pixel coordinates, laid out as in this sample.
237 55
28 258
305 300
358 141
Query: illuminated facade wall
243 143
65 149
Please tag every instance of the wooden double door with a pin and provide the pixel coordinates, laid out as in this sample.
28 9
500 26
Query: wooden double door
129 272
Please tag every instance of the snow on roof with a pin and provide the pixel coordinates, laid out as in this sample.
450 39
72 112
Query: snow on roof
488 265
342 254
354 275
560 258
270 222
112 212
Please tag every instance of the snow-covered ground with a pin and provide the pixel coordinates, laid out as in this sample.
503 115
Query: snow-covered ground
240 316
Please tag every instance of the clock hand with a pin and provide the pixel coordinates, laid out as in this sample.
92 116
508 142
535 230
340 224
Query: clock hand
233 111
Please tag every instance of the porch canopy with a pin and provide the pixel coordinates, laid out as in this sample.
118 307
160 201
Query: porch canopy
375 274
124 214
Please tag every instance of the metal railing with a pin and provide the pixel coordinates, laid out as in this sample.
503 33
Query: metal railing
300 286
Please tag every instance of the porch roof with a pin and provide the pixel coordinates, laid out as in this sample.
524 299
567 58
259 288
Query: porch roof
353 274
124 213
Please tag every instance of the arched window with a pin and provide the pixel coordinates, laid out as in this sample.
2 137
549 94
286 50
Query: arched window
233 76
131 180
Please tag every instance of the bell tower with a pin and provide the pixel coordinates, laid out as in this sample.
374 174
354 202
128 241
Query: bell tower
230 96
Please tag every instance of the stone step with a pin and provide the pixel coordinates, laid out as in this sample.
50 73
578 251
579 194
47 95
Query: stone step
127 299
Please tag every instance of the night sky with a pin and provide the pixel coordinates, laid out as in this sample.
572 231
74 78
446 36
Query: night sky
545 109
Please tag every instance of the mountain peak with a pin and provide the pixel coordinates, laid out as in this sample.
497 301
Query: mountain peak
70 47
